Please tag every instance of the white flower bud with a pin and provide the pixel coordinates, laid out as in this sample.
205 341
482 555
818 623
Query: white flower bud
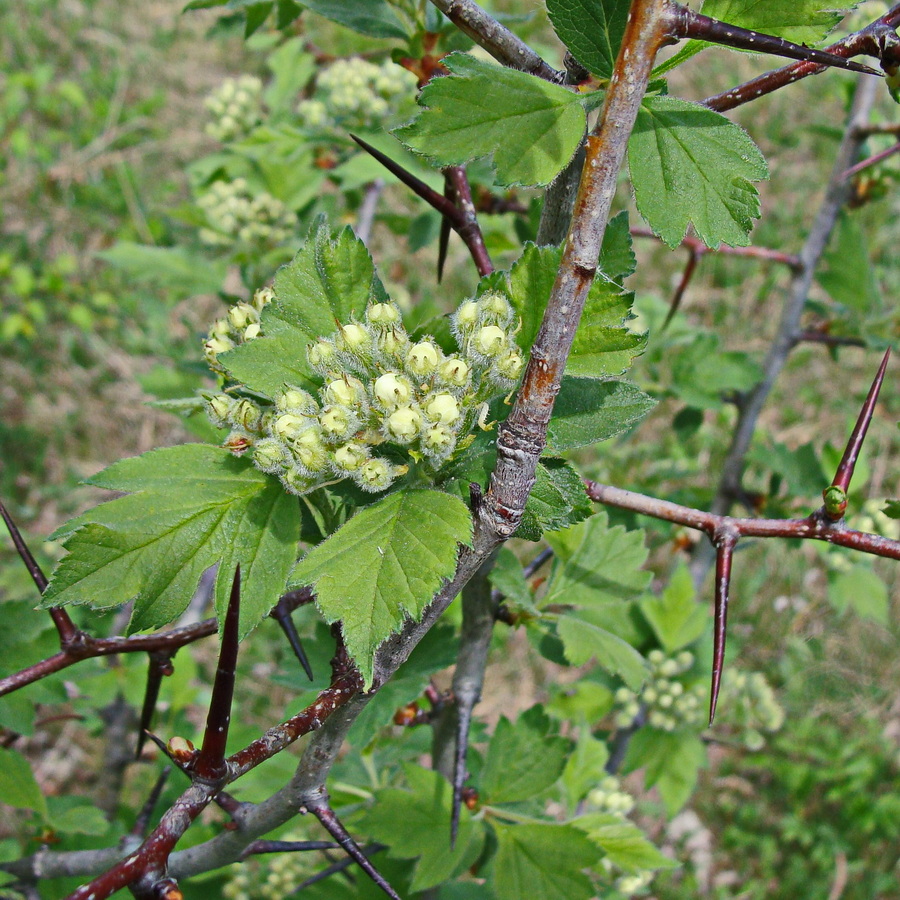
289 426
374 475
351 456
338 422
310 451
465 318
393 342
649 695
392 390
216 345
383 315
490 341
296 481
685 660
219 408
438 440
494 308
443 408
241 315
455 371
346 391
322 356
510 365
253 330
423 358
656 657
269 455
262 298
353 338
404 424
246 414
295 400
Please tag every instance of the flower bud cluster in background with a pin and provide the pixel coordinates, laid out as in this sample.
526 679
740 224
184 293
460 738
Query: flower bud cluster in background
386 401
241 324
237 214
236 108
356 94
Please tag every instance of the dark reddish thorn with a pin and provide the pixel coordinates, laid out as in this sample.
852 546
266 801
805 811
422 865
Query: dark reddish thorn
338 866
64 625
210 762
686 276
444 206
160 664
854 445
142 822
444 237
259 847
330 822
690 24
724 551
282 615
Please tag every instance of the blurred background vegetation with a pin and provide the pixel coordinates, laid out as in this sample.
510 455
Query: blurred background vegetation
109 284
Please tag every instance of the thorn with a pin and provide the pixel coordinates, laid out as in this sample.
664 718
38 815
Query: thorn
282 615
686 276
724 552
143 818
338 866
464 710
159 664
259 847
854 445
416 185
330 822
210 762
444 237
690 24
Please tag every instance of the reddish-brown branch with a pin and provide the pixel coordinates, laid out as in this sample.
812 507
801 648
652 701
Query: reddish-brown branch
695 245
878 39
725 541
872 160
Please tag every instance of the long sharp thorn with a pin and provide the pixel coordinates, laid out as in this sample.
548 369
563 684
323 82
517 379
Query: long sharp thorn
416 185
336 867
211 759
686 276
331 823
160 664
724 553
463 726
282 615
143 817
854 445
695 25
257 848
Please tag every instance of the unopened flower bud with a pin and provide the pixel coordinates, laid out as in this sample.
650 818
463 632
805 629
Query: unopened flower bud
510 365
219 409
438 440
466 317
374 475
322 355
443 408
422 359
180 749
351 456
246 414
337 422
289 426
493 307
455 371
296 481
310 451
253 330
353 338
384 315
655 657
237 442
241 315
296 400
490 340
392 390
218 344
346 391
393 342
269 455
263 297
404 424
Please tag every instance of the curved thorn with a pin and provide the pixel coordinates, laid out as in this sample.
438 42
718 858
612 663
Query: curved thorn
724 552
159 664
695 25
330 822
858 435
210 761
282 615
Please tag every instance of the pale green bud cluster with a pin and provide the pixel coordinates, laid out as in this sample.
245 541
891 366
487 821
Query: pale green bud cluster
236 106
608 797
355 93
270 878
483 329
237 214
379 388
241 324
747 704
669 704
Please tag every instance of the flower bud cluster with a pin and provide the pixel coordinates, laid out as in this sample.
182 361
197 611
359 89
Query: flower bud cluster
237 214
635 883
271 879
354 93
872 519
381 391
236 107
240 325
747 704
608 797
670 705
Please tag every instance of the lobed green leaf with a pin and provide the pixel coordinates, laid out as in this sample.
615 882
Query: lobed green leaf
591 29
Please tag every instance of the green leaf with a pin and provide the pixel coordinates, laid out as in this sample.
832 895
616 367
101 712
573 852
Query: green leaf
591 29
522 759
80 820
329 281
690 165
542 862
675 616
585 768
508 577
623 843
188 508
702 372
801 21
415 824
892 509
672 761
372 17
172 267
861 591
589 410
849 276
530 127
584 640
18 787
602 346
384 565
557 500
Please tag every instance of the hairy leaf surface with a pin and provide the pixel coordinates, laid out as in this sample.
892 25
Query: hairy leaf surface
188 508
530 127
329 281
385 564
372 17
623 843
557 500
690 165
591 29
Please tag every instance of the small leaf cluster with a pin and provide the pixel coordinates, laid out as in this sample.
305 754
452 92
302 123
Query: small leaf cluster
355 93
240 325
669 704
236 107
238 214
383 395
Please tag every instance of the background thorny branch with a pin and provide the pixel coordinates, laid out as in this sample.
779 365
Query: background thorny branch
149 864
